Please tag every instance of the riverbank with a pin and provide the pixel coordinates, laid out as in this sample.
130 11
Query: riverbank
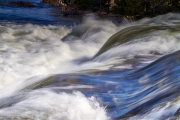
72 10
127 9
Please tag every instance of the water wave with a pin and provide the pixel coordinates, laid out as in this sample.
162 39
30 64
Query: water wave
56 72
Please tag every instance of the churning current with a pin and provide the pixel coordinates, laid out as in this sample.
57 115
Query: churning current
56 68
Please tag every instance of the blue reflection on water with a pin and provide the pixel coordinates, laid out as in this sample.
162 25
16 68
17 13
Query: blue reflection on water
39 14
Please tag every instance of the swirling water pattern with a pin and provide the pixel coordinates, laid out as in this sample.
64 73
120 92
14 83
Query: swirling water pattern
95 70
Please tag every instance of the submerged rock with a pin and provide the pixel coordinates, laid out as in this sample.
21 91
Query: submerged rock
21 3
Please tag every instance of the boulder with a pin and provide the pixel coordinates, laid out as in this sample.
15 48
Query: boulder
54 2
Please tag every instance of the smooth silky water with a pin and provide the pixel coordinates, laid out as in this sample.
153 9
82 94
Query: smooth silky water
63 68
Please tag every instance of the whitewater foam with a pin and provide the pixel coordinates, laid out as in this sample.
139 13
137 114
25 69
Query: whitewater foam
46 104
30 53
33 50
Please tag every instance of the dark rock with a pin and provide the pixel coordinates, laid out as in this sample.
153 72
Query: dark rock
177 113
67 10
54 2
70 10
20 3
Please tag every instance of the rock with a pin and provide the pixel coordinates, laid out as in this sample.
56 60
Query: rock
20 3
177 113
70 10
67 9
54 2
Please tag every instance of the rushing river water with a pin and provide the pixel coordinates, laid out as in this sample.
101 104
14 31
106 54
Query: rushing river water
58 68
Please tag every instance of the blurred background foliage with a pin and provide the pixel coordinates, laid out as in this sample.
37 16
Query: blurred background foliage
136 8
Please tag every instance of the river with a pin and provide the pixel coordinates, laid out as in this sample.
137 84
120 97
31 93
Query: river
71 68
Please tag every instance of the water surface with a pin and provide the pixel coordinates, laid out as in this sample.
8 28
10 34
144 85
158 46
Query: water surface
60 68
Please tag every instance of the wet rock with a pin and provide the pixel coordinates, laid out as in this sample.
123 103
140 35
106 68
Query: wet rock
20 3
54 2
177 113
67 10
70 10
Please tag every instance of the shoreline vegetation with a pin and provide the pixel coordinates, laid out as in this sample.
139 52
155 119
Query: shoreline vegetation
75 7
133 9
